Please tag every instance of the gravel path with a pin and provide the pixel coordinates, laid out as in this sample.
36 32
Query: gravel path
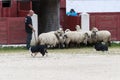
60 67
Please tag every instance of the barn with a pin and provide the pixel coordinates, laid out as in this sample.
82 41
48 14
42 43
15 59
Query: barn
51 14
13 12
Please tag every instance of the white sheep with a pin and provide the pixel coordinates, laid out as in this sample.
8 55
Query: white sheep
88 36
74 37
94 29
102 35
78 28
67 30
51 38
47 39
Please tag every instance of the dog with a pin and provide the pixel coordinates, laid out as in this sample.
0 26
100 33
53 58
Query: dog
101 46
34 50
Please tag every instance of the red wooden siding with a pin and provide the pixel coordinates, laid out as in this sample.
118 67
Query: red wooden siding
12 30
14 9
71 22
107 21
62 3
3 31
118 29
62 16
16 31
24 7
63 13
17 8
8 11
0 9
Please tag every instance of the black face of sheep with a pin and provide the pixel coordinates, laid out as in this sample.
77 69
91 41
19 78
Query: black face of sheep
101 47
38 49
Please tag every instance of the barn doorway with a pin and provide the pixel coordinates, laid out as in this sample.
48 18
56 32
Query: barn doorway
48 14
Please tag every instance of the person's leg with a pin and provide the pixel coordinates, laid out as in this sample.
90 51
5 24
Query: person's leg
29 37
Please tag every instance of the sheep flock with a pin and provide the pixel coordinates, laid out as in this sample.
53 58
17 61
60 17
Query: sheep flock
67 38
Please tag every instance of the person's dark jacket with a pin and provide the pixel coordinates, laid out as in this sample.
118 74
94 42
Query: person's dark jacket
28 21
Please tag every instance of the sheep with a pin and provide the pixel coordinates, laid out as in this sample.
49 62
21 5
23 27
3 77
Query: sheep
77 36
47 39
78 28
51 38
102 35
89 37
87 33
74 37
67 30
94 29
96 35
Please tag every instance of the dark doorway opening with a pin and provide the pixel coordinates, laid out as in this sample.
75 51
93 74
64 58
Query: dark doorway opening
6 3
48 14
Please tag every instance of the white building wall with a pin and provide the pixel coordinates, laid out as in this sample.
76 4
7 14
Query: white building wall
93 5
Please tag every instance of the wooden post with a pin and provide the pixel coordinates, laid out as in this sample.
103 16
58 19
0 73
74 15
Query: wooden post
85 24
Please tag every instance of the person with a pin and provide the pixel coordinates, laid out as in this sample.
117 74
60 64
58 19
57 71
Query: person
29 28
72 13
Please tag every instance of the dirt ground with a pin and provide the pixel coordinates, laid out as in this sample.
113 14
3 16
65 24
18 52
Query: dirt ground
61 66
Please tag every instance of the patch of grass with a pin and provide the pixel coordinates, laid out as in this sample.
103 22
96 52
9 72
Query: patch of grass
115 45
12 49
82 49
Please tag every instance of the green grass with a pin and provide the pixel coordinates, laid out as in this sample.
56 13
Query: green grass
65 50
12 49
115 45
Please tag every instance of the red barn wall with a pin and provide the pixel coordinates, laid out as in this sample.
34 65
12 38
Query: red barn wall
9 11
12 27
62 3
62 13
71 22
3 31
0 9
23 8
107 21
16 32
12 30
